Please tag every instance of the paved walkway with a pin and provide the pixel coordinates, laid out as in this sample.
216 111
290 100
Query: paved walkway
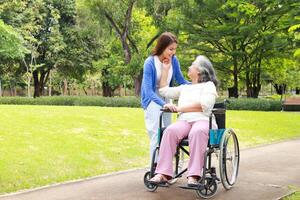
265 173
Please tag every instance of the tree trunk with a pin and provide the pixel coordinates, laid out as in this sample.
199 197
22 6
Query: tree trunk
65 87
50 84
235 86
84 90
127 51
39 78
137 84
28 86
233 92
280 88
107 91
0 88
36 84
253 91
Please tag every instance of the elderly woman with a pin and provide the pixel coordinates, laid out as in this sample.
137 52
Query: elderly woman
195 102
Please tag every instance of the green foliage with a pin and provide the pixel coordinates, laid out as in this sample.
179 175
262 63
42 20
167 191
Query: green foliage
254 104
235 104
11 43
283 71
74 101
108 41
239 35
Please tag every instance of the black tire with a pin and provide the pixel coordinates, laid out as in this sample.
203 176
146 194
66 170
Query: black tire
149 174
229 158
150 187
208 189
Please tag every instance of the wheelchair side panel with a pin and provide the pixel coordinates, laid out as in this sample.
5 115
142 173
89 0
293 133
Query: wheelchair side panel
215 136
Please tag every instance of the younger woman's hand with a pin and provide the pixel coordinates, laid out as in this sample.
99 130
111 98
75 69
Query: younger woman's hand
166 64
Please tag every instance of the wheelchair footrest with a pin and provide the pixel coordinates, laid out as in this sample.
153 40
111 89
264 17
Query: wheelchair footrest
163 184
187 187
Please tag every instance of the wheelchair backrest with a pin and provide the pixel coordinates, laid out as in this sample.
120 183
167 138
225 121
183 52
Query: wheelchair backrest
220 117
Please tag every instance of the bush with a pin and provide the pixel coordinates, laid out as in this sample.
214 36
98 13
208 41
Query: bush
235 104
74 101
254 104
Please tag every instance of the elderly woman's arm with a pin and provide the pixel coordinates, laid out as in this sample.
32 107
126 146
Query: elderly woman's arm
196 107
209 96
206 101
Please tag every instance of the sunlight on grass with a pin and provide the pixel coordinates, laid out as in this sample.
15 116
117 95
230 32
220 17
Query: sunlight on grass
254 128
294 196
41 145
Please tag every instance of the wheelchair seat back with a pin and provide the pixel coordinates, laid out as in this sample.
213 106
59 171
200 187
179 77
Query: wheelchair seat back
215 135
220 116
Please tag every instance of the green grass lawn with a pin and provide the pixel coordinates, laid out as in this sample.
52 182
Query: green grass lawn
41 145
294 196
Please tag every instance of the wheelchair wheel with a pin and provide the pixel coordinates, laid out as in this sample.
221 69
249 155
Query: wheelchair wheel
208 189
150 187
229 158
149 174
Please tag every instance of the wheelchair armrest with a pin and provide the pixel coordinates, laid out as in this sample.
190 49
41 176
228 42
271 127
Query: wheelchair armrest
218 111
167 110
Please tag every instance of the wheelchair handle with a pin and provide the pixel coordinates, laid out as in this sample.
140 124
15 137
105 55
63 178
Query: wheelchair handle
167 110
218 111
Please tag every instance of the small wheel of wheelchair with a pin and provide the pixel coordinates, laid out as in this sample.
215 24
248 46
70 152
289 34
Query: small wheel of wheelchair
149 174
150 187
229 158
208 189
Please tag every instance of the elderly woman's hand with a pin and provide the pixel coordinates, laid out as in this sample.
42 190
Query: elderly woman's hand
171 107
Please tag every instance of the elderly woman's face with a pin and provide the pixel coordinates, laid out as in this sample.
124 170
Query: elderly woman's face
193 72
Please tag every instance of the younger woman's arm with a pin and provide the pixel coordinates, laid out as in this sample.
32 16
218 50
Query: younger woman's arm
165 90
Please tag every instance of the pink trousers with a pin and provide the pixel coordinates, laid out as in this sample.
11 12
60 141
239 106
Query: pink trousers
197 133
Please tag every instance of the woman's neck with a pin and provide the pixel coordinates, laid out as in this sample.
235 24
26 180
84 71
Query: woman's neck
195 81
161 58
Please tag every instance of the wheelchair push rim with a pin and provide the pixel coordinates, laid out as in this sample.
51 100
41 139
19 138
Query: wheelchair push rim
229 158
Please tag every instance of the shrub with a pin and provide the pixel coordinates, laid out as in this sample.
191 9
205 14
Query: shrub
235 104
74 101
254 104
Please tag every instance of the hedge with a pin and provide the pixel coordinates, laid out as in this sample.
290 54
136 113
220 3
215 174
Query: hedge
74 101
235 104
254 104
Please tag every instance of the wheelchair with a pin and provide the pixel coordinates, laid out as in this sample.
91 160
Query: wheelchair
222 143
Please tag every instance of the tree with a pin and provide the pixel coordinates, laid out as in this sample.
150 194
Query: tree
118 14
241 34
11 43
126 22
11 49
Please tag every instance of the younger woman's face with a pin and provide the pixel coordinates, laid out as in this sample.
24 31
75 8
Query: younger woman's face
169 51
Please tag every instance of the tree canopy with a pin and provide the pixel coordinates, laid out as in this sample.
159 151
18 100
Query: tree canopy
57 45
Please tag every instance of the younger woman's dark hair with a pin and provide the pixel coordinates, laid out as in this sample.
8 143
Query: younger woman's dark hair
164 40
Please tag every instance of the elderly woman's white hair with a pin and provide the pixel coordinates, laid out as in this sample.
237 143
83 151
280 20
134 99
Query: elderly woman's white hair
205 67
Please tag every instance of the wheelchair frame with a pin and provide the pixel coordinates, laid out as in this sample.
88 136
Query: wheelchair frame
207 185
